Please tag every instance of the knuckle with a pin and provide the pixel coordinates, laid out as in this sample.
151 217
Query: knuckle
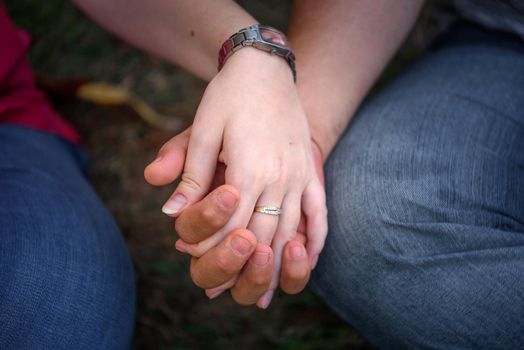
282 177
207 214
266 172
236 179
258 281
300 167
210 217
300 174
242 177
257 176
225 265
189 180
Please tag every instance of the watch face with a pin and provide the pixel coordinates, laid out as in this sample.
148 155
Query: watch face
273 37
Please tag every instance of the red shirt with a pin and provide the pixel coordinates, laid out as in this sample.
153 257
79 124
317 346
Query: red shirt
20 100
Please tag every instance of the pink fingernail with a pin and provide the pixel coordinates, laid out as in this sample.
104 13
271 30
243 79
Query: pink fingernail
180 247
213 293
174 204
263 303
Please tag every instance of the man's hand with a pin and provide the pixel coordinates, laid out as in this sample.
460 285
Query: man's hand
239 252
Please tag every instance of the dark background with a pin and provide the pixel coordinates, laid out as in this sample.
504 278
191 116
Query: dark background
172 313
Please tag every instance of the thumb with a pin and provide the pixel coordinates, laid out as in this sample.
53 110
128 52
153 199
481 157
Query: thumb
169 162
199 169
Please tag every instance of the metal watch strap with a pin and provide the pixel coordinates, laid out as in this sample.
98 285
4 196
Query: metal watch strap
251 36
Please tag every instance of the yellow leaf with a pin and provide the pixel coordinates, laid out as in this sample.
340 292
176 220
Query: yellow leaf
104 94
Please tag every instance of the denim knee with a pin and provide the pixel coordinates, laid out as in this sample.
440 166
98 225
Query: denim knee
67 279
426 219
414 283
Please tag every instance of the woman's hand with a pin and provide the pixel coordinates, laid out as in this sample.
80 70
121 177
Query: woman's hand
250 119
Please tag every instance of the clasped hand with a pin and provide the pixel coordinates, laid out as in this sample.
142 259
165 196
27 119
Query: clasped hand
250 136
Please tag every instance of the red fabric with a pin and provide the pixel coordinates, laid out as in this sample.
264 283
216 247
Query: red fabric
20 100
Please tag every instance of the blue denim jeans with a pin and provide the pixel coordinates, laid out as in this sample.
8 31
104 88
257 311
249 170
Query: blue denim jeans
66 279
426 202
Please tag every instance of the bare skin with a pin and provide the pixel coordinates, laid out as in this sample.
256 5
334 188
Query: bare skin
204 218
342 46
239 251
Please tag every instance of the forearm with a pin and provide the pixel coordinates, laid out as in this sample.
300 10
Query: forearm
342 47
185 32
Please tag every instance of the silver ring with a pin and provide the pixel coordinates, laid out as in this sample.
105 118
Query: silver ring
268 210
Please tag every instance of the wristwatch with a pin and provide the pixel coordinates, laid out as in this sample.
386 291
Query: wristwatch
262 37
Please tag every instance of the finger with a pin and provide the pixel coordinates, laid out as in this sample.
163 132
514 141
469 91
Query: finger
300 237
202 219
302 225
264 225
295 268
199 168
243 213
219 178
240 219
286 231
314 207
224 261
212 293
255 277
169 162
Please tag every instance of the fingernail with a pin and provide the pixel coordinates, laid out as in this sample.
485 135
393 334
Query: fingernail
241 245
296 252
314 261
180 247
260 258
227 199
174 204
213 293
266 299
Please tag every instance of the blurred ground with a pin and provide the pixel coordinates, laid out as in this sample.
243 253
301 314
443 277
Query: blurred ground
172 312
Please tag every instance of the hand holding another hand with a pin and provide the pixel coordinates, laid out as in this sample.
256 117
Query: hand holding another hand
239 253
251 121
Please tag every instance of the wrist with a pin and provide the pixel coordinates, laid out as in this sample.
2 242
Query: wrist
261 37
255 62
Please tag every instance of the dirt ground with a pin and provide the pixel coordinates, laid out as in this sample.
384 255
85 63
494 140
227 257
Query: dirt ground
172 312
